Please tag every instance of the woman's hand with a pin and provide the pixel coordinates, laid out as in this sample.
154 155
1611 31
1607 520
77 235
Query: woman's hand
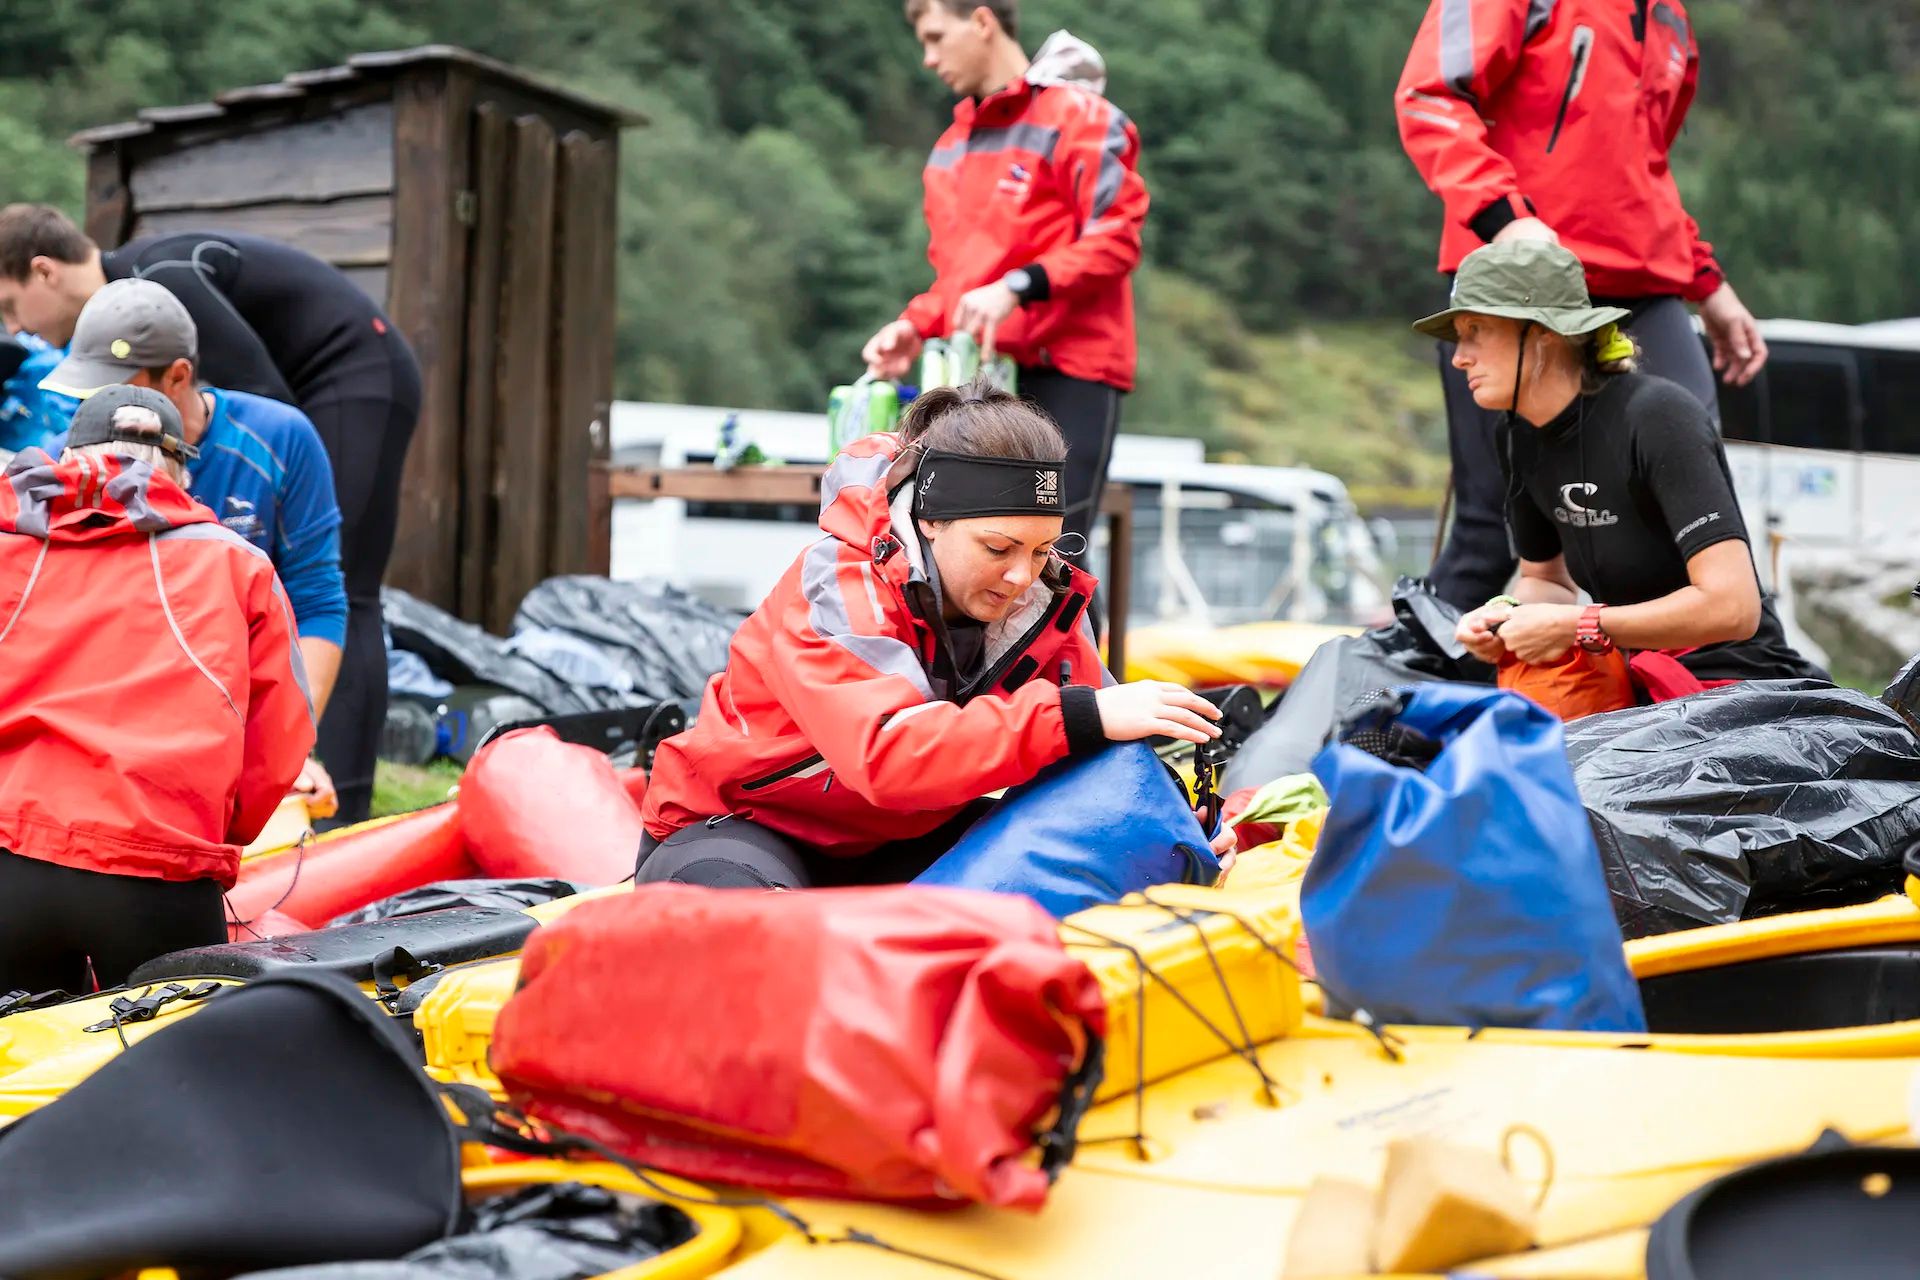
1540 633
1155 709
1476 631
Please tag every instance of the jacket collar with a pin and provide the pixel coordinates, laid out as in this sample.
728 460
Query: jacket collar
89 499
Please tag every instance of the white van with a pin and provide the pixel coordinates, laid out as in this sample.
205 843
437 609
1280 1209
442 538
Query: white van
1212 543
1825 442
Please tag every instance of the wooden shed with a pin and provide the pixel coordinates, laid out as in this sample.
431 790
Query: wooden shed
477 204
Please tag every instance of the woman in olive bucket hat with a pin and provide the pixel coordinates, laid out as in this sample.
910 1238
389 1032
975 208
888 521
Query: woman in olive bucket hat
1617 487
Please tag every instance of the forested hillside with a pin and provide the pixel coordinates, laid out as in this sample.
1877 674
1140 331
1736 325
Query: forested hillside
770 214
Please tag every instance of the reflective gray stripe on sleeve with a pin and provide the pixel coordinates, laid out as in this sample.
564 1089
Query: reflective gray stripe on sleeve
1539 14
1431 117
1036 138
1113 167
867 472
1456 47
947 157
827 615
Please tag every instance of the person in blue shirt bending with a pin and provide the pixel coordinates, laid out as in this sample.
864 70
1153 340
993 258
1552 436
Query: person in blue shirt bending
262 469
30 418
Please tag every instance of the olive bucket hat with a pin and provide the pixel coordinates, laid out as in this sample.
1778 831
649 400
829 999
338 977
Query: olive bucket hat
1523 280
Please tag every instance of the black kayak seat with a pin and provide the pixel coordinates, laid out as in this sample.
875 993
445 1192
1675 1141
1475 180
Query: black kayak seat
1818 991
353 951
1835 1212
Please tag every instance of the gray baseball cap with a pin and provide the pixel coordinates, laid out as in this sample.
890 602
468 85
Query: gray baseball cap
131 415
129 325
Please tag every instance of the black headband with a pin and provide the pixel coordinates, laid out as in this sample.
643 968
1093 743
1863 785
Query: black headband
957 486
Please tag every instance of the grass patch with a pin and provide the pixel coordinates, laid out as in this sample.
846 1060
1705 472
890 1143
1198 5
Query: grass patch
403 788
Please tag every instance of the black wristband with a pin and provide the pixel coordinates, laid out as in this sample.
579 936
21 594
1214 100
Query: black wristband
1080 711
1040 288
1490 221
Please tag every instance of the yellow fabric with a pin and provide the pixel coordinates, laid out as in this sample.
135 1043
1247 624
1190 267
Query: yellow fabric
1611 345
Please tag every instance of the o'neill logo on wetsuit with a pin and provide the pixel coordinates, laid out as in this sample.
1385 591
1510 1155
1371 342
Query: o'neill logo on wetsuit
1571 511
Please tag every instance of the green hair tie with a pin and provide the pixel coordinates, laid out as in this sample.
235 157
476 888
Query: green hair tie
1612 345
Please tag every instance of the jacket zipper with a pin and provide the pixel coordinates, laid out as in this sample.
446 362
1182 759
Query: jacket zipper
991 678
781 775
1582 50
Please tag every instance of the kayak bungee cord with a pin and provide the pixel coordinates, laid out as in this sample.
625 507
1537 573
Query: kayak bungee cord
1390 1044
494 1124
299 860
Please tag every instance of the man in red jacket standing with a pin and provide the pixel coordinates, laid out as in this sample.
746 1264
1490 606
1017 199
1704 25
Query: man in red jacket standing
1034 209
1552 119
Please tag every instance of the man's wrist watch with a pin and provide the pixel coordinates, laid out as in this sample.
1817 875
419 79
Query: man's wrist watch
1589 634
1020 280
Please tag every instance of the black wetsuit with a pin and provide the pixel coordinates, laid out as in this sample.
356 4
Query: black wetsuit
279 322
1629 484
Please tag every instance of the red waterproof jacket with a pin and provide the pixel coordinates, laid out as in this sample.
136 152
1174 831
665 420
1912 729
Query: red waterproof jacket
1565 110
153 710
828 724
1041 177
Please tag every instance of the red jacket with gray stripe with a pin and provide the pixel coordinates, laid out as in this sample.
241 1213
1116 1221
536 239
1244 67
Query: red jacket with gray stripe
1563 109
1041 177
153 710
829 724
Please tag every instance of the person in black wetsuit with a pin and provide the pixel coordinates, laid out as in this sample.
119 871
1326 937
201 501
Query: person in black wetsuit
276 322
1617 484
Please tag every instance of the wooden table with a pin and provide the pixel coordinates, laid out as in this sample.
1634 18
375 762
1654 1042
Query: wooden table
800 486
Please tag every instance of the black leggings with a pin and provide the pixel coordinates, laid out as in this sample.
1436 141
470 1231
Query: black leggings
54 920
1478 562
738 853
366 424
1088 414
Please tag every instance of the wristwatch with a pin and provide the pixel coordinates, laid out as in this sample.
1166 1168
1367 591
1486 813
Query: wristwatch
1020 280
1589 634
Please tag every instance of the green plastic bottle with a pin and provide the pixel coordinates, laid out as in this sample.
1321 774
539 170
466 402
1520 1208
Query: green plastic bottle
861 408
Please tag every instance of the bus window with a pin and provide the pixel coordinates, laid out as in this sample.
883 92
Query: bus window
1890 395
1809 398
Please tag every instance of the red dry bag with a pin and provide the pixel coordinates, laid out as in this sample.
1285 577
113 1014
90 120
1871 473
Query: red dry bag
903 1043
532 805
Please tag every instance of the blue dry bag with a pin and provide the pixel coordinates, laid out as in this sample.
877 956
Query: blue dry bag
1456 881
1082 833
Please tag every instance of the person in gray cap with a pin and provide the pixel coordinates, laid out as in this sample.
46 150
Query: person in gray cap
153 710
1617 485
261 468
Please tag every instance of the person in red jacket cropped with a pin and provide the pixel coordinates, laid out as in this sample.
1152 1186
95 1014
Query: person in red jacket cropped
928 650
1034 210
153 708
1552 120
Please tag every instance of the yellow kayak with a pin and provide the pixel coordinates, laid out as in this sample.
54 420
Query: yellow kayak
1268 654
1633 1122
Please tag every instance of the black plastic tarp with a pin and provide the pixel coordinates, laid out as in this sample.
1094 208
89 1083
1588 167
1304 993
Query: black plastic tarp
501 895
465 654
565 1231
1758 798
1418 646
668 643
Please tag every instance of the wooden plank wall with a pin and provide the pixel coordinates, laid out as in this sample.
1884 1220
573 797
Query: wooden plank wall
482 216
426 297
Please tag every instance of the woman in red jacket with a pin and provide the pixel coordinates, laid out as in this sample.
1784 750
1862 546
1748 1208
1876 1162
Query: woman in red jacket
929 650
153 710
